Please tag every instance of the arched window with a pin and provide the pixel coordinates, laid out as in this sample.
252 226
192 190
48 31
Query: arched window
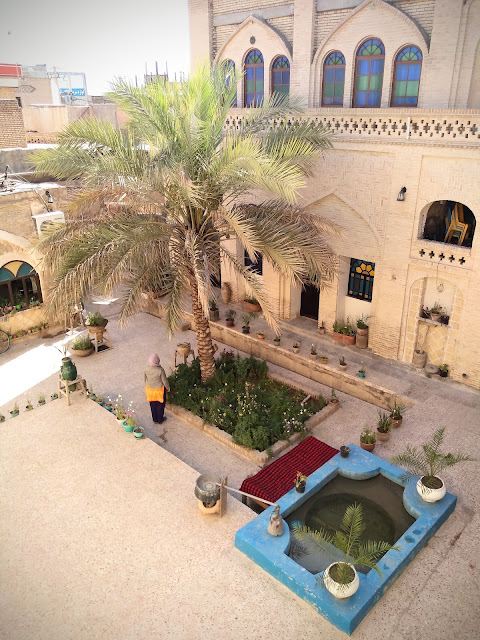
369 74
406 77
229 66
19 285
254 79
451 222
281 75
333 79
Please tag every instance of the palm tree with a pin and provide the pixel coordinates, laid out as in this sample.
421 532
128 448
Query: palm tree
348 540
159 197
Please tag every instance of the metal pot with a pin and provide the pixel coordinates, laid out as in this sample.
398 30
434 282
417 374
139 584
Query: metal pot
207 488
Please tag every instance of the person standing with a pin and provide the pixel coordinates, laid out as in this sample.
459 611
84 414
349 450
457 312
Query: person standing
156 387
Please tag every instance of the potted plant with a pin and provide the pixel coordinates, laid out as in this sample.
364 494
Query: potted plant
362 371
15 411
138 432
344 451
251 304
341 578
296 346
230 317
54 396
443 370
247 318
28 406
214 313
91 394
362 326
81 347
300 482
343 364
344 333
96 323
427 462
435 312
129 423
41 400
261 335
108 404
119 410
100 400
396 410
313 351
276 340
321 328
368 438
384 426
68 370
333 397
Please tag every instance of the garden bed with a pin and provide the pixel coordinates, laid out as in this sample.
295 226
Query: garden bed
246 408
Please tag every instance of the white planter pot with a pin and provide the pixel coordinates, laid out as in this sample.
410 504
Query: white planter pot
431 495
337 590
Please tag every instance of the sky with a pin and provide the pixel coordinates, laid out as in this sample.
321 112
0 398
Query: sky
102 38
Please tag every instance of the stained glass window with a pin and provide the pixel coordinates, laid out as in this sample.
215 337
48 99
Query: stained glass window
369 74
19 285
360 282
408 66
333 79
254 78
281 75
256 266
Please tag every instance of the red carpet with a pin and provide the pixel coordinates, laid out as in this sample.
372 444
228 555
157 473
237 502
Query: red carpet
274 481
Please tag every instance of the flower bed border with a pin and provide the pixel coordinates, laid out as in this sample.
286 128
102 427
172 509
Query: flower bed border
259 457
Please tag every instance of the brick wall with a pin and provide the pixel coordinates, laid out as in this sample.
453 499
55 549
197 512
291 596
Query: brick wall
234 6
420 11
12 132
325 22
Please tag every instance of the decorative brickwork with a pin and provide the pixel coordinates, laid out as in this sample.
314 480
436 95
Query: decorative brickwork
12 132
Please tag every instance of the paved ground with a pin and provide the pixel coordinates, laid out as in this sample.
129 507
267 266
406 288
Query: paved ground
435 598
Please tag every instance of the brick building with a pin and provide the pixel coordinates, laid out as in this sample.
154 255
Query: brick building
399 84
12 131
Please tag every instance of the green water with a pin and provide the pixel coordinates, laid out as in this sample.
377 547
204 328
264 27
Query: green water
383 514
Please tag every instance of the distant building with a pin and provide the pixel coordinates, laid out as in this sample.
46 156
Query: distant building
12 131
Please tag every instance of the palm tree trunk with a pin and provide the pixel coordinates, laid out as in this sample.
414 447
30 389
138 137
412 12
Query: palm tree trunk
204 337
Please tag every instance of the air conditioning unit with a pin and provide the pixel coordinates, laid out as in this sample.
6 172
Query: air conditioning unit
45 220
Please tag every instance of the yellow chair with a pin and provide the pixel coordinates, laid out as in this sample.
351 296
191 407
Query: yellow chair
457 227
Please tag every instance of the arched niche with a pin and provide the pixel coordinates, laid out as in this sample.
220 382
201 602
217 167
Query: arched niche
449 222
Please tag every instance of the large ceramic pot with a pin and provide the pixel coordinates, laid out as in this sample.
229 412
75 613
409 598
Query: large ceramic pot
397 422
81 353
339 337
248 306
383 437
340 590
98 329
226 292
431 495
367 447
419 359
68 369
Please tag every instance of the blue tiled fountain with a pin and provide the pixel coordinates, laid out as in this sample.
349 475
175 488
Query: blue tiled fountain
271 553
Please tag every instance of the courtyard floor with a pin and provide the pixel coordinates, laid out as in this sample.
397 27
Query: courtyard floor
101 534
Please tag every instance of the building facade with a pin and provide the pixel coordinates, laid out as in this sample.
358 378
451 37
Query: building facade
398 83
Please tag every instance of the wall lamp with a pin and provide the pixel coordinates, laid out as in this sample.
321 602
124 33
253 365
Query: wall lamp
50 197
400 197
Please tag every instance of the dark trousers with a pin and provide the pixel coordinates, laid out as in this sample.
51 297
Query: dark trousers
157 409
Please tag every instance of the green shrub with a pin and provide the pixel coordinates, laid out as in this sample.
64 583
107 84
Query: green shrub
242 400
95 319
81 344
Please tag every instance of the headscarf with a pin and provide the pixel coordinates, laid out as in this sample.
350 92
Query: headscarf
154 360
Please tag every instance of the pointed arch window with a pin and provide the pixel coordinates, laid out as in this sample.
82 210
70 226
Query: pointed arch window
281 76
406 77
333 79
369 65
254 78
229 66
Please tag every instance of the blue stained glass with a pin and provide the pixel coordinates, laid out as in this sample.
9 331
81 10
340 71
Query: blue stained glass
414 71
402 72
258 99
259 73
363 67
286 77
339 75
335 58
377 66
250 73
361 99
329 74
254 57
25 270
411 100
374 99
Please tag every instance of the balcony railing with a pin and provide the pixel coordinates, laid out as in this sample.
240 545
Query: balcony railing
433 126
